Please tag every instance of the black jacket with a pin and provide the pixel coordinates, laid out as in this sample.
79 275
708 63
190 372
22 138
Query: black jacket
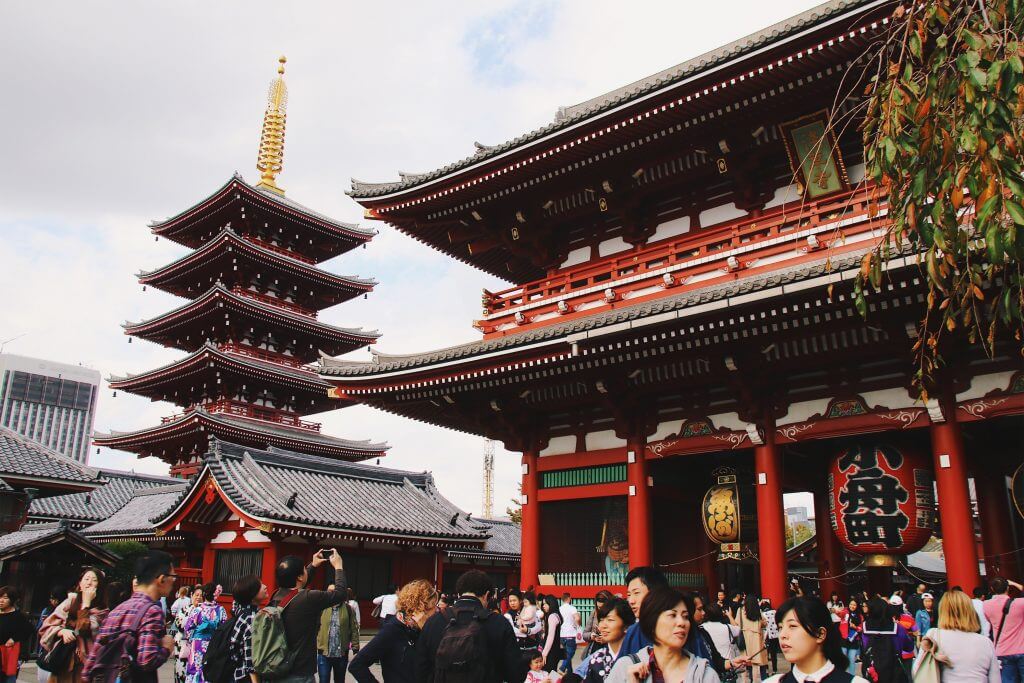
502 651
394 647
302 618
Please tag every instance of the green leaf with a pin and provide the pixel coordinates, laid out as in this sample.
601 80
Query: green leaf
1016 64
969 140
971 59
979 78
942 40
986 209
994 243
995 70
1015 185
890 149
915 45
1015 210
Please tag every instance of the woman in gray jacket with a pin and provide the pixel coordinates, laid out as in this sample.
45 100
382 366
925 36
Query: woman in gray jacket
666 618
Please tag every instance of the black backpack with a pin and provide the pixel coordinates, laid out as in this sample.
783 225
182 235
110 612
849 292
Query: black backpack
219 661
462 655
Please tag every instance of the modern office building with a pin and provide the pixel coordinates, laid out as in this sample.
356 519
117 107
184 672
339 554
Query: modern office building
51 403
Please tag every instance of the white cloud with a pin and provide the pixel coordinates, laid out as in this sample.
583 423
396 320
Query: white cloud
118 112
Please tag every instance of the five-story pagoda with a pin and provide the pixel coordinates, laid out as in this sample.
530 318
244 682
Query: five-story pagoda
249 324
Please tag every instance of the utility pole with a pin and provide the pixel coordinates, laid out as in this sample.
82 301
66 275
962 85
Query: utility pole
488 498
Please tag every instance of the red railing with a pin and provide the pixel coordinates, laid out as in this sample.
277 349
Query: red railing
742 232
274 301
274 415
264 355
246 410
279 250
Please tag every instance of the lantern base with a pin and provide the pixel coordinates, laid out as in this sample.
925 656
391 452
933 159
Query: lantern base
879 560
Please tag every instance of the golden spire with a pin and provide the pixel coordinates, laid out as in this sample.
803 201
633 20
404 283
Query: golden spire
271 156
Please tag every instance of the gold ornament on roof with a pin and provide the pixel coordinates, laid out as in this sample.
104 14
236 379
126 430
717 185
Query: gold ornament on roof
271 156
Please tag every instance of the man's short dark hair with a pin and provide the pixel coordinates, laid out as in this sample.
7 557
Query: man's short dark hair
289 569
245 589
661 599
151 565
514 593
473 582
999 586
566 596
979 592
649 576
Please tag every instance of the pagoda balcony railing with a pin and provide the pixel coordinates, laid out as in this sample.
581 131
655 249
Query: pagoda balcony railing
252 412
279 250
274 301
264 355
670 262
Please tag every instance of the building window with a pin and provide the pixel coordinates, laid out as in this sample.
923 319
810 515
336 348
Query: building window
369 576
231 565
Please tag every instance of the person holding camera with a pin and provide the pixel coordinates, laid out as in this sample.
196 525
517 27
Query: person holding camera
303 607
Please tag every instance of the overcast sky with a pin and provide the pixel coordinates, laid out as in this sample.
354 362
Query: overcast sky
117 113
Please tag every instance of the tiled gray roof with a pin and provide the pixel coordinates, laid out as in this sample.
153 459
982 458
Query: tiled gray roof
335 496
222 292
93 506
306 269
568 116
274 198
212 420
506 536
135 517
21 457
386 363
274 368
35 536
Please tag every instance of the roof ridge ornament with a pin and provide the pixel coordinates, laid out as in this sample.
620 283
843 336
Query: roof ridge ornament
271 153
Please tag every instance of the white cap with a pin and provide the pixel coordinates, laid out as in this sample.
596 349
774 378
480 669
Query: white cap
895 600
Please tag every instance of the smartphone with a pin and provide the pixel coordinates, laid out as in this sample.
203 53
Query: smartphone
325 554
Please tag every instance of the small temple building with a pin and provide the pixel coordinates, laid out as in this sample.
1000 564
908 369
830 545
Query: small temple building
249 324
679 343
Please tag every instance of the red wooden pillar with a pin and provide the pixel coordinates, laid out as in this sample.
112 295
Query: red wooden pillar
439 570
638 504
992 491
530 561
209 562
954 504
771 520
709 567
268 573
830 551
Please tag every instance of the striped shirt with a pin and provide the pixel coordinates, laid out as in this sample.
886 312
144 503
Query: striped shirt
149 654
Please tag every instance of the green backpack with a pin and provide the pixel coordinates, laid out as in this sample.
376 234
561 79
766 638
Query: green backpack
271 656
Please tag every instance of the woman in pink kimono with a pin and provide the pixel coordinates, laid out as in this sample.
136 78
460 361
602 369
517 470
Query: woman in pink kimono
199 628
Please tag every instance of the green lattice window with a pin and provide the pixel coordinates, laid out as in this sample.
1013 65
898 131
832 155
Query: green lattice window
583 476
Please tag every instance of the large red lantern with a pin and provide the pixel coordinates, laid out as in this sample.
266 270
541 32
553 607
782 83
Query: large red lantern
881 500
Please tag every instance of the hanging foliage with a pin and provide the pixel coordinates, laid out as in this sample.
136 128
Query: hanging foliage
943 139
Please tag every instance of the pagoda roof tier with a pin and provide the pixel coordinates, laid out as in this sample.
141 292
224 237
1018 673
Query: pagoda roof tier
717 61
186 435
204 372
27 463
642 155
83 508
259 211
206 318
233 257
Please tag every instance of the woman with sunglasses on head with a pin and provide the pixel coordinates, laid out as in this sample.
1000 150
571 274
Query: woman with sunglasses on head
666 619
592 633
394 646
811 643
75 621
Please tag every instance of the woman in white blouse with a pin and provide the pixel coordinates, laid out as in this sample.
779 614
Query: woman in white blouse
723 633
811 643
964 655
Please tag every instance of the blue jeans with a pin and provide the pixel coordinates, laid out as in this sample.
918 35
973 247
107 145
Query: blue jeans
326 665
569 645
1012 670
851 654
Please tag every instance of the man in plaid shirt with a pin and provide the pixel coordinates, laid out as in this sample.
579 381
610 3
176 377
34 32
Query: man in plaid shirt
154 579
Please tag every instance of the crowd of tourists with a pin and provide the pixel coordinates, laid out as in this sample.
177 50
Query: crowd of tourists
107 632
